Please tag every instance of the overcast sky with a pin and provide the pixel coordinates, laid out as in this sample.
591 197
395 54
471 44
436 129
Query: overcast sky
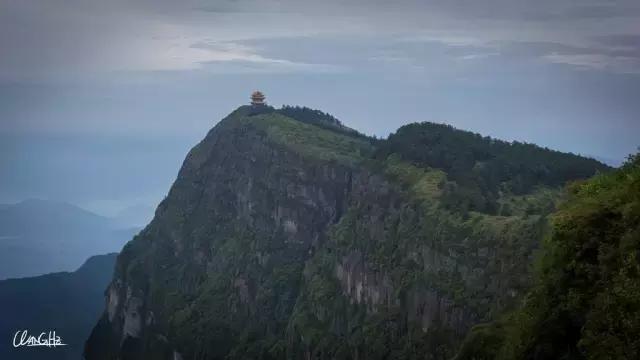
101 100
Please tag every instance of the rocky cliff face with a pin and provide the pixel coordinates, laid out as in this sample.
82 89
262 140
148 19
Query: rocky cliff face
281 239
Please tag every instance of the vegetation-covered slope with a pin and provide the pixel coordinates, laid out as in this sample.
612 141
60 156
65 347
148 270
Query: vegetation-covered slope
284 236
586 300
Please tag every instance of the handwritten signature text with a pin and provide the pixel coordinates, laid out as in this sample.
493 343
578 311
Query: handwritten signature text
48 339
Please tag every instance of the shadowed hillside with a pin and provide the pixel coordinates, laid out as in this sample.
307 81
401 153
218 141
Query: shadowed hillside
69 303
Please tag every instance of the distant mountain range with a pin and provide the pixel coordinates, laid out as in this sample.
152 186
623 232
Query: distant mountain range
67 303
41 236
134 216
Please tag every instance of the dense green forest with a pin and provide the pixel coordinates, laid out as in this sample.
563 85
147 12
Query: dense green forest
585 303
320 119
482 169
310 116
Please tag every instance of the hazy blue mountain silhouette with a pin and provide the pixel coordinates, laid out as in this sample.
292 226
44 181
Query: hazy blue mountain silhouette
40 236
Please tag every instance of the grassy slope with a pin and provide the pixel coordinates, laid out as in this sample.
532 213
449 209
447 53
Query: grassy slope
312 141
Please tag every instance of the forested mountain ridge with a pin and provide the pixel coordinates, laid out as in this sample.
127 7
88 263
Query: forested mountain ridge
484 168
287 235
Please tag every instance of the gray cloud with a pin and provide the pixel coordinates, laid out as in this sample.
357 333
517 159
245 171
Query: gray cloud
75 38
623 42
597 10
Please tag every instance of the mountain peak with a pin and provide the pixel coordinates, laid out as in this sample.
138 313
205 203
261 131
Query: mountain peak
287 233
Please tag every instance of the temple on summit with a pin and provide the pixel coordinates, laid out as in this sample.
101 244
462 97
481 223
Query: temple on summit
257 98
